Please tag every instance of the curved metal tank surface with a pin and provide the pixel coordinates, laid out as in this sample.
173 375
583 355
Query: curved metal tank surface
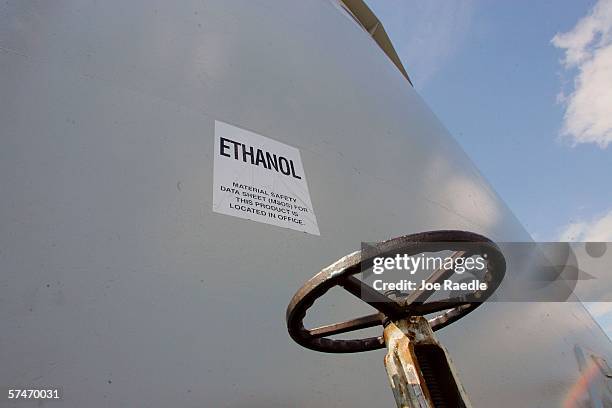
119 284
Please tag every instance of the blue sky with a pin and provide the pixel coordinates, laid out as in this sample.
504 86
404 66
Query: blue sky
526 89
492 74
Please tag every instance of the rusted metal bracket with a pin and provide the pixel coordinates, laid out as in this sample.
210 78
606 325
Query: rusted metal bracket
419 370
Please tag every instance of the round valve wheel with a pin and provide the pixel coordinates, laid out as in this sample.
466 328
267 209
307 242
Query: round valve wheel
341 273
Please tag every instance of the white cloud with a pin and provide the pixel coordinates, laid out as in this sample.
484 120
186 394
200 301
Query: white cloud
598 229
588 51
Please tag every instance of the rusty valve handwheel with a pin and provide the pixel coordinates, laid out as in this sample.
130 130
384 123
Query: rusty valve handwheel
342 273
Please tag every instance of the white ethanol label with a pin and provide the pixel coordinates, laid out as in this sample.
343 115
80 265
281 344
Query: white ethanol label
260 179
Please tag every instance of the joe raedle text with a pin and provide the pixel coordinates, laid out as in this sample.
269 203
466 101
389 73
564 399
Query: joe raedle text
418 268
